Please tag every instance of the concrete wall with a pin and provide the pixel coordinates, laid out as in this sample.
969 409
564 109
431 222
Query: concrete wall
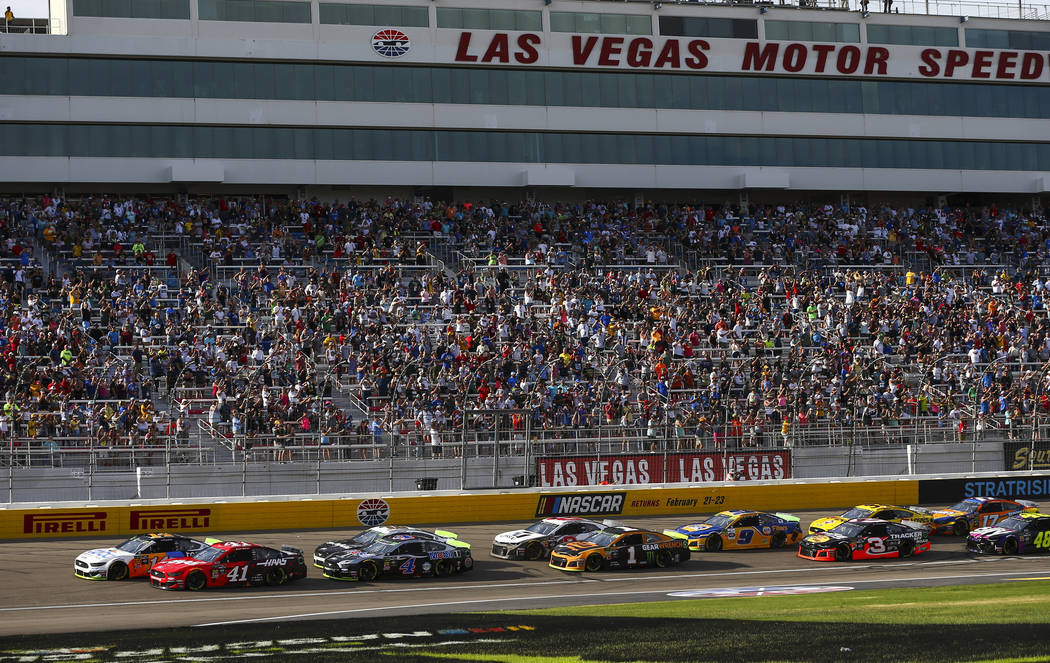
235 480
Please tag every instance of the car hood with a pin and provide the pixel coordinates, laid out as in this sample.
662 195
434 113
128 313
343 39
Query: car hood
176 564
517 536
99 555
575 548
827 523
331 547
989 532
827 539
941 515
698 529
351 556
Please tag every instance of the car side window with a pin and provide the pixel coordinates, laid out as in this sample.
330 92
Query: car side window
875 530
587 528
885 514
434 546
747 521
571 528
165 546
262 554
187 545
414 548
630 540
653 538
238 555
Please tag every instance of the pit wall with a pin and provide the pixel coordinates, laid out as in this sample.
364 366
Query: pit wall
336 512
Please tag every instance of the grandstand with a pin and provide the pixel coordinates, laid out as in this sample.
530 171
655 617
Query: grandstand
449 240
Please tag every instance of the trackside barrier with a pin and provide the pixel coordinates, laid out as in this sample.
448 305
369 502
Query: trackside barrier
438 508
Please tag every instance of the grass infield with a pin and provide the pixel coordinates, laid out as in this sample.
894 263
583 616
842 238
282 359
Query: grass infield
1002 622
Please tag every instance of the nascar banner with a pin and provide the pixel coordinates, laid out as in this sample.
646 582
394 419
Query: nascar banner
640 469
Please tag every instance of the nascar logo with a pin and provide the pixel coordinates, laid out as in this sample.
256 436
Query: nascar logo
391 43
591 504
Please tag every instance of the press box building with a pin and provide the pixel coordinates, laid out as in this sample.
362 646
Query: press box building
414 95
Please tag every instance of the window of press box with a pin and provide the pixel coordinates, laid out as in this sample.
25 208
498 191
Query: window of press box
258 11
489 19
174 9
812 31
912 35
396 16
692 26
1012 39
613 24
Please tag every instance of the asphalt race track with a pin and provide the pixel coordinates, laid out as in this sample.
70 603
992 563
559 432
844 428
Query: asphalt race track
41 595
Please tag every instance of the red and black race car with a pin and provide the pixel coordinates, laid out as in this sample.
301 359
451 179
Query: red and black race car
865 538
230 563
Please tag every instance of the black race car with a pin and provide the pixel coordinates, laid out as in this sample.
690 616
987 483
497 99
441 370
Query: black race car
369 536
1023 533
397 555
865 538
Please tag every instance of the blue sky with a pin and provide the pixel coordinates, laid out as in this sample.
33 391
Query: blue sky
27 8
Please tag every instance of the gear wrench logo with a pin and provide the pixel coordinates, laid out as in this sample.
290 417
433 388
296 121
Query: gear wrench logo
373 512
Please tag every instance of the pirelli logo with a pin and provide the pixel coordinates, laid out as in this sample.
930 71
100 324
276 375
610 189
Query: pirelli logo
78 522
164 519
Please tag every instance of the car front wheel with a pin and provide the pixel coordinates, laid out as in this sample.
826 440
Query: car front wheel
594 563
1010 547
117 571
714 543
961 527
196 581
843 553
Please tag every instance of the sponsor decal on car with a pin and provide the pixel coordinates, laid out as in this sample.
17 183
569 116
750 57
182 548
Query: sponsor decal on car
590 504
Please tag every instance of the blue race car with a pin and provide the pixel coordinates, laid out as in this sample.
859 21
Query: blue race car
739 530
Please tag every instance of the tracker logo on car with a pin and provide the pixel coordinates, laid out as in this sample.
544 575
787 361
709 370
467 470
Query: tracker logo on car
592 504
65 523
164 519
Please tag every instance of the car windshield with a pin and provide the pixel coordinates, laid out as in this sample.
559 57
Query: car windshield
718 521
366 537
1012 523
134 544
541 528
965 506
209 554
857 512
382 547
600 538
848 529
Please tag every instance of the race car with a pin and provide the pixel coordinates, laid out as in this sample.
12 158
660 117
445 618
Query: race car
229 564
619 548
894 514
397 555
739 530
865 538
367 537
1024 533
134 557
963 516
537 540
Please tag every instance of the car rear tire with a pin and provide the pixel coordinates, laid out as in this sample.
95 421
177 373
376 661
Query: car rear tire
1010 547
843 553
276 576
196 581
663 559
907 549
714 543
961 527
777 541
367 572
534 550
443 568
117 571
594 563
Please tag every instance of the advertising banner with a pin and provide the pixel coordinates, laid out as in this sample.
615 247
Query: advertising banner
639 469
1021 456
948 491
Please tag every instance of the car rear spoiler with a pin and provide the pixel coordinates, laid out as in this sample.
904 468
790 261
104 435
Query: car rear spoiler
447 534
291 549
608 522
675 534
1028 505
788 516
211 541
456 543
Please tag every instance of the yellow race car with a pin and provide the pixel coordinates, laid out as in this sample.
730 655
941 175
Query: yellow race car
893 514
619 548
740 530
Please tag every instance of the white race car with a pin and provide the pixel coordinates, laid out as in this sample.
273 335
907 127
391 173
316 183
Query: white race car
538 540
135 557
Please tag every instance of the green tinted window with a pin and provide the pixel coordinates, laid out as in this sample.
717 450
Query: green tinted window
488 19
1021 40
177 9
912 35
397 16
260 11
622 24
812 31
694 26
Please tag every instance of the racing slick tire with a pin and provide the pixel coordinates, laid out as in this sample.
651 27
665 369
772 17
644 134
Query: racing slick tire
906 550
594 563
442 568
663 559
117 571
714 543
1010 547
196 581
843 553
961 527
276 576
367 572
778 540
534 550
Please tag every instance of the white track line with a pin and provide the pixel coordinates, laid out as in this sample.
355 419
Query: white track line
555 596
482 586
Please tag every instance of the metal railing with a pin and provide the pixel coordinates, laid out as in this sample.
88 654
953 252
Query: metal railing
36 26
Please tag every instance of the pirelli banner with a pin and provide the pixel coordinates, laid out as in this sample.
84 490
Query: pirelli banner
670 468
224 519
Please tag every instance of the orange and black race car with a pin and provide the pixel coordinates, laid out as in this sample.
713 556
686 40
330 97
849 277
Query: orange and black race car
619 548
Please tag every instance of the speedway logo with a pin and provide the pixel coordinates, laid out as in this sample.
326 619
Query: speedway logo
154 520
308 648
76 522
590 504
